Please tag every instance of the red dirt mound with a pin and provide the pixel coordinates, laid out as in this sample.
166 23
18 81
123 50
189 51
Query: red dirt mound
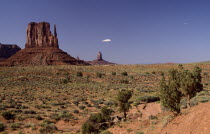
195 121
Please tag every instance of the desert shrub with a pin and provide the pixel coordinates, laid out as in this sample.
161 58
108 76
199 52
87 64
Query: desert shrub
88 105
15 126
21 118
123 97
193 102
75 111
2 107
148 99
97 118
82 107
183 103
8 115
153 72
38 117
85 102
203 99
114 73
64 81
109 103
64 115
124 81
203 93
97 122
106 112
99 101
76 103
152 117
147 73
139 132
190 83
2 127
99 75
30 125
79 74
124 74
29 112
167 119
170 96
88 128
47 128
106 132
205 73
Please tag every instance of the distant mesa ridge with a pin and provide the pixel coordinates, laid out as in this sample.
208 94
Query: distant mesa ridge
7 50
100 61
41 49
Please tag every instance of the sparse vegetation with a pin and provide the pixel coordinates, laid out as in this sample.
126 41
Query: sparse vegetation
39 94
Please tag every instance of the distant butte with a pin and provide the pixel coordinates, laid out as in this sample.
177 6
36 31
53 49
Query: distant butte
41 49
100 61
7 50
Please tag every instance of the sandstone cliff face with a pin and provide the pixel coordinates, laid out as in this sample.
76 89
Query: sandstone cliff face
39 35
41 49
8 50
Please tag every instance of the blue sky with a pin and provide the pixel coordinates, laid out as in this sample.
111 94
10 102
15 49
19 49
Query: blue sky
141 31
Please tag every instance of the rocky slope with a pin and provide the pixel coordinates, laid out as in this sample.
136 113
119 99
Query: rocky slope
195 121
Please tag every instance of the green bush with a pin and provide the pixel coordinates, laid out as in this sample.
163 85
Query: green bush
99 75
96 118
88 128
106 112
38 117
82 107
76 111
114 73
124 81
149 99
105 132
97 121
15 126
47 128
152 117
8 115
124 74
139 132
79 74
64 81
123 97
2 127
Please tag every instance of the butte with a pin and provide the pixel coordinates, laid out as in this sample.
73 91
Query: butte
41 49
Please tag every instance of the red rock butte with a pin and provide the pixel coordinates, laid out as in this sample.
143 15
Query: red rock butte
41 49
100 61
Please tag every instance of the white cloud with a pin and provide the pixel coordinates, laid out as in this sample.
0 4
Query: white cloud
107 40
186 23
